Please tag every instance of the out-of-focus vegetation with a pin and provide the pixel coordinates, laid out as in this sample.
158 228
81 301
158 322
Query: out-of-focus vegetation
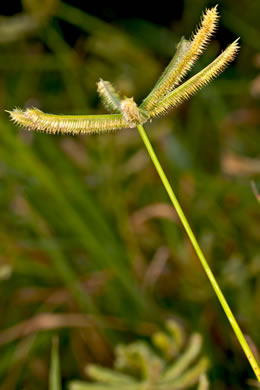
91 250
173 364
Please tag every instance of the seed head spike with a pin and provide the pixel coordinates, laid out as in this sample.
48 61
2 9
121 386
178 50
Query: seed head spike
34 119
185 57
109 97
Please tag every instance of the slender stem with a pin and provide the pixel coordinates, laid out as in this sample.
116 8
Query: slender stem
201 257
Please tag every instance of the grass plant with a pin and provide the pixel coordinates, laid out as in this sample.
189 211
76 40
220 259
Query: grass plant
168 92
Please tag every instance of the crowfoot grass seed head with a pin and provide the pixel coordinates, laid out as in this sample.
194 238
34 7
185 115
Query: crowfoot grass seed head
166 94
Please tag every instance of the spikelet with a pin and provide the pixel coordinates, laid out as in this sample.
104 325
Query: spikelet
195 83
34 119
185 57
109 97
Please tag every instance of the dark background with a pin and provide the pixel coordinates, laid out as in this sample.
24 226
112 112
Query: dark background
86 226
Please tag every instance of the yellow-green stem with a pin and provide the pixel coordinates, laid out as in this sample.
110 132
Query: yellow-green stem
201 257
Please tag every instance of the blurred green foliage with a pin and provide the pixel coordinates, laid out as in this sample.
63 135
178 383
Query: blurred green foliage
90 248
169 365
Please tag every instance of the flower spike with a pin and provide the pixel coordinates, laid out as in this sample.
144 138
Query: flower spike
109 97
185 57
34 119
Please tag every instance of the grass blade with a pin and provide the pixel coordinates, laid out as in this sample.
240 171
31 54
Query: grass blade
54 375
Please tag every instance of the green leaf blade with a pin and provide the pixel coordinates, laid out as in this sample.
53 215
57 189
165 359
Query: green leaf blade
54 376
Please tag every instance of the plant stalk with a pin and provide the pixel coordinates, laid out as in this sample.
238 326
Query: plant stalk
200 254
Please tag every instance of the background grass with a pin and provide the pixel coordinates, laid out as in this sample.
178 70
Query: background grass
90 249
